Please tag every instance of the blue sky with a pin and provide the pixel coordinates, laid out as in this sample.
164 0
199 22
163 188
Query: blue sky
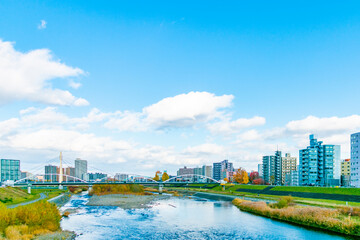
285 69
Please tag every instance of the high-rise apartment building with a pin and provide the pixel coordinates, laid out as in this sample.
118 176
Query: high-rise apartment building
220 169
207 171
51 172
260 170
80 168
318 164
288 164
269 169
185 171
345 167
355 159
345 172
121 177
272 169
9 170
278 168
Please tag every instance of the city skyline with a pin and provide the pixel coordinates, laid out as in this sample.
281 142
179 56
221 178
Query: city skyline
160 86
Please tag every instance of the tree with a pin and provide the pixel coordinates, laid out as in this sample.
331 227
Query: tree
258 181
253 175
164 177
226 179
156 178
241 176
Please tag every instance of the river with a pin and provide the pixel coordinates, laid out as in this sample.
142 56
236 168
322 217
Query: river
179 218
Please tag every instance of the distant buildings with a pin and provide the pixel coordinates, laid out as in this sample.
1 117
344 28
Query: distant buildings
92 177
260 170
51 173
272 172
288 164
221 169
185 171
345 172
355 159
69 173
318 164
207 171
277 166
80 168
269 169
9 170
121 177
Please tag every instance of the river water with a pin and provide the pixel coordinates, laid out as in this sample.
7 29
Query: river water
179 218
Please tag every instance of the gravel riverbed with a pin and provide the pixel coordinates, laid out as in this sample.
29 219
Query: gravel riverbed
125 201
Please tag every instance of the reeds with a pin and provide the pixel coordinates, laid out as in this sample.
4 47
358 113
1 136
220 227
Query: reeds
336 220
26 221
103 189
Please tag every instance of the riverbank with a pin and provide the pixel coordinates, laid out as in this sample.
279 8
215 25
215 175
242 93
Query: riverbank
125 201
344 221
257 192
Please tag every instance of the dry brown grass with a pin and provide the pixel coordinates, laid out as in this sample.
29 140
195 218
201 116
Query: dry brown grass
104 189
330 219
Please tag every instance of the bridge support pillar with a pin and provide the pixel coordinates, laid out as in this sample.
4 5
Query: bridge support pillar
61 187
29 189
223 187
90 188
161 188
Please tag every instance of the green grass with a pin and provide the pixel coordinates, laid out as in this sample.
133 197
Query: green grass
13 196
328 190
233 188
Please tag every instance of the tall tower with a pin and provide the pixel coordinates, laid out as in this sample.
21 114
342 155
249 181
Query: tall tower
61 169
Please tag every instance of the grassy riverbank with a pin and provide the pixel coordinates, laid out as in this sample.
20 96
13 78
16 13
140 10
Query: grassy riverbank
343 220
13 196
326 190
235 190
29 221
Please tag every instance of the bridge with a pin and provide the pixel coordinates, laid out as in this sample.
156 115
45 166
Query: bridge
60 179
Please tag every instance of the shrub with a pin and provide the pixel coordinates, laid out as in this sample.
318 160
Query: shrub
102 189
283 202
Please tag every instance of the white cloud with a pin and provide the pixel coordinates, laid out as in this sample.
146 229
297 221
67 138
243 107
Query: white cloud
127 121
74 85
205 149
186 110
42 24
27 76
227 127
328 125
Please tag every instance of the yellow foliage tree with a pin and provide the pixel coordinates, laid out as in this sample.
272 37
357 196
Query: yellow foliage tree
165 177
241 176
226 179
157 178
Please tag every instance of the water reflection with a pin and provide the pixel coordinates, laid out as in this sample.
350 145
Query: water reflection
179 218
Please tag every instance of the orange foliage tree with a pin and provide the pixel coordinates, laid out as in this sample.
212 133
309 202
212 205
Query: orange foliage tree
241 176
165 177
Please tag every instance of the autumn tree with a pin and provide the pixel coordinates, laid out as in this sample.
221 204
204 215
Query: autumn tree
157 178
253 175
165 177
241 176
226 179
258 181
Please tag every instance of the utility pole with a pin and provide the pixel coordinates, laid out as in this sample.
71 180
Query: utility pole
61 172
